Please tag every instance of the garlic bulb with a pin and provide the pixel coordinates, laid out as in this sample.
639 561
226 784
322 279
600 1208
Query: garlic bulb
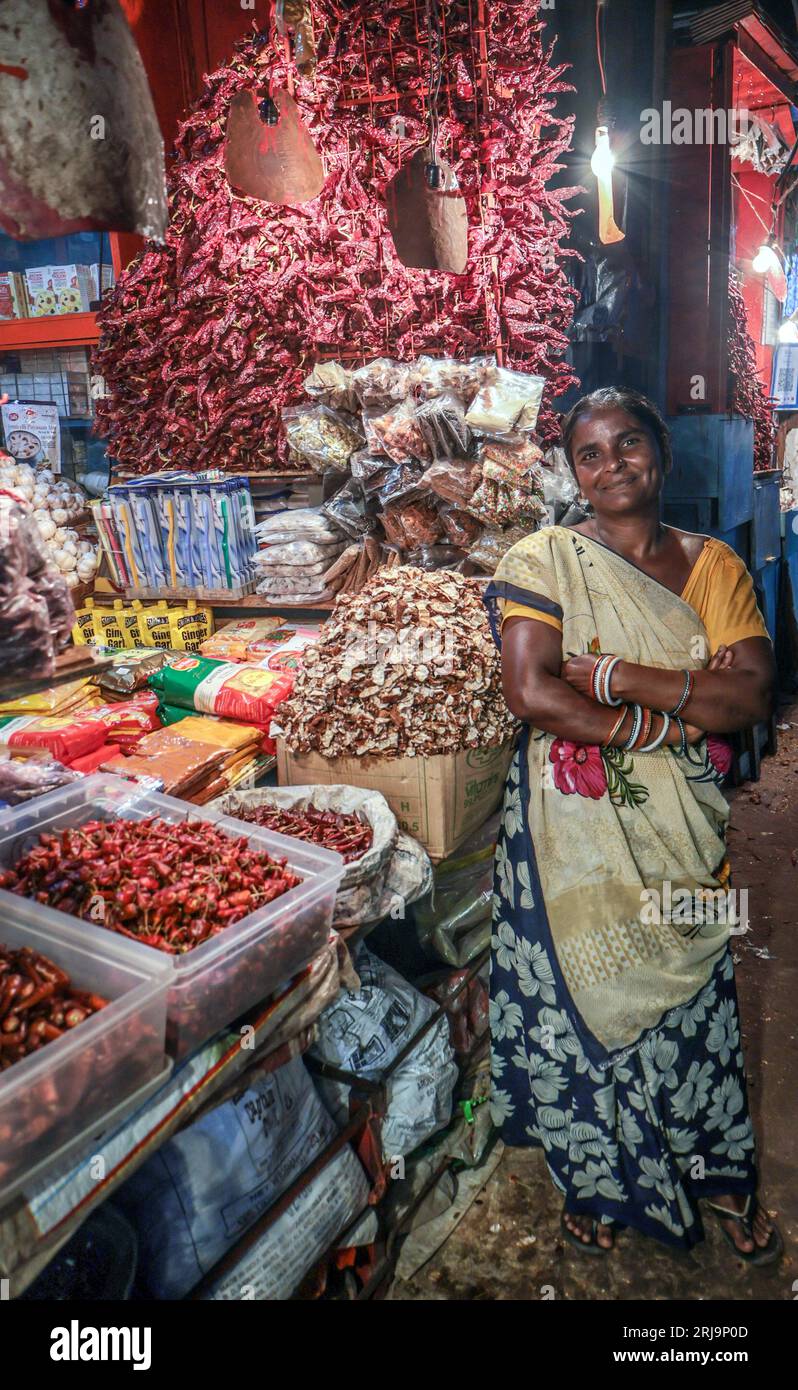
85 570
72 580
60 516
46 529
65 561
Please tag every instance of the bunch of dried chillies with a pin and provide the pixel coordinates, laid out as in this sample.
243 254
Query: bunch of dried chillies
206 339
748 396
171 886
38 1003
343 831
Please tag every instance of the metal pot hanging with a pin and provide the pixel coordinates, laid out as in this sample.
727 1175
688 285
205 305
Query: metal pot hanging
269 152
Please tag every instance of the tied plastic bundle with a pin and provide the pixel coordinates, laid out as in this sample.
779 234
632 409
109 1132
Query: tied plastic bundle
298 549
404 668
36 612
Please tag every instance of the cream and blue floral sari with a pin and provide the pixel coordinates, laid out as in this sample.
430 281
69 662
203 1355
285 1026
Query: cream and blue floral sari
615 1033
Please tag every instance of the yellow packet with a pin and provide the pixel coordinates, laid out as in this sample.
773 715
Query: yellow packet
129 622
56 700
83 634
108 629
154 626
190 626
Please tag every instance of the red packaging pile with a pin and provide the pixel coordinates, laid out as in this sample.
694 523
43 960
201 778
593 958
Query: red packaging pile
205 340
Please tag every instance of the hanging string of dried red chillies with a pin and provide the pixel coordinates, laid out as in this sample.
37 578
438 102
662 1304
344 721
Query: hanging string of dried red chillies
747 394
205 340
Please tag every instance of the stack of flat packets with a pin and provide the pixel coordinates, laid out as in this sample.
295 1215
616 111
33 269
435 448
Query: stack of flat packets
175 535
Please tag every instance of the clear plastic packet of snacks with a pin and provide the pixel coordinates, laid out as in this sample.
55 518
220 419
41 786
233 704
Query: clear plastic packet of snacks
413 523
365 465
432 376
454 479
320 437
350 509
443 425
403 480
510 400
397 433
460 528
436 557
331 384
493 544
381 383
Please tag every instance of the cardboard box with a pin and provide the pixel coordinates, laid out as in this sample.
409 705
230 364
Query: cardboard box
73 288
439 800
41 294
13 295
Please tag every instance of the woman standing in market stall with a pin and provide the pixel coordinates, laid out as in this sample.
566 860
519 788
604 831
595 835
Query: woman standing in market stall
615 1032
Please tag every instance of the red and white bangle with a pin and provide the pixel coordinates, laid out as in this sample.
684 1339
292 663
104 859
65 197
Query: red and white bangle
601 678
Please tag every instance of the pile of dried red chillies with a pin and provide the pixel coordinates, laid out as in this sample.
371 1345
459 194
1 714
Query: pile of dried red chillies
205 339
168 886
37 1003
342 831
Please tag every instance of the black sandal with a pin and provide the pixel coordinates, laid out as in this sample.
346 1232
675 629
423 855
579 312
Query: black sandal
761 1254
590 1247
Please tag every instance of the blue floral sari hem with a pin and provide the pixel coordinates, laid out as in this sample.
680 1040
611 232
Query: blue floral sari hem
638 1136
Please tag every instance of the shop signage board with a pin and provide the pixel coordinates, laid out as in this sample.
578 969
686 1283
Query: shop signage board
784 383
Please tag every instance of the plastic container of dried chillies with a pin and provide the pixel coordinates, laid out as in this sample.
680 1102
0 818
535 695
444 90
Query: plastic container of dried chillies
238 959
94 1064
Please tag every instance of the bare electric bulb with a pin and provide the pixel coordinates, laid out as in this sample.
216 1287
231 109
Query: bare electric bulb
765 261
602 159
788 330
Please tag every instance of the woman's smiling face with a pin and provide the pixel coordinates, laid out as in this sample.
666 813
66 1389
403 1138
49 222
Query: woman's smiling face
617 461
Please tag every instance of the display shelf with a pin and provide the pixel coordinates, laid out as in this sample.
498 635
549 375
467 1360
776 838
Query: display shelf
71 665
51 331
253 603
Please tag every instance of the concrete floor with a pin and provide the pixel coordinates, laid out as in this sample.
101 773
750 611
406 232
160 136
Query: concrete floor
509 1245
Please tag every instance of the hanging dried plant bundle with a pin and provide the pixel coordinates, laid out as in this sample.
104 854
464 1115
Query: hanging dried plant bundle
748 396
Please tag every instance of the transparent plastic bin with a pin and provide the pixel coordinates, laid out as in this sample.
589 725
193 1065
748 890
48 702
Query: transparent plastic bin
211 985
72 1087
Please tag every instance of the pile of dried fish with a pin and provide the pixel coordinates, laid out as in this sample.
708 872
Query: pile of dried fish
405 668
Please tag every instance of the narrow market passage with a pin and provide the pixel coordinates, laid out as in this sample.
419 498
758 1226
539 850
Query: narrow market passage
509 1245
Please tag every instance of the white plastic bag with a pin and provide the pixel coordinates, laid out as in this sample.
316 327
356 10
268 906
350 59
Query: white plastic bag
363 1032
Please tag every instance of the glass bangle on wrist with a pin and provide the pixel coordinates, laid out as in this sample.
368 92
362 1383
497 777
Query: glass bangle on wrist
661 737
600 680
681 751
617 726
637 723
645 730
689 682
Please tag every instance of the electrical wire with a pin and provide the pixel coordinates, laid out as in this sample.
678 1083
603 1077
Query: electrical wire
435 75
768 227
600 44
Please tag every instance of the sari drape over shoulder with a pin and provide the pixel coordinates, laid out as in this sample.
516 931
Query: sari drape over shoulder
605 963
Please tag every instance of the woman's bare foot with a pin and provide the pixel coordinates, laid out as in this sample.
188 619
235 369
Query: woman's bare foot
583 1227
762 1225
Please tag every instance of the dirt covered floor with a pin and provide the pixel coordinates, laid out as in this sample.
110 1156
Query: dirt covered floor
508 1246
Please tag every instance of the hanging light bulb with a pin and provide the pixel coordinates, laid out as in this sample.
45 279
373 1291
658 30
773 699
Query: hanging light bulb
602 160
766 262
788 329
602 163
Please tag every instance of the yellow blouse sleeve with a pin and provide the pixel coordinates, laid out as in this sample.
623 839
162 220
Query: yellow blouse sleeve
519 610
730 612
